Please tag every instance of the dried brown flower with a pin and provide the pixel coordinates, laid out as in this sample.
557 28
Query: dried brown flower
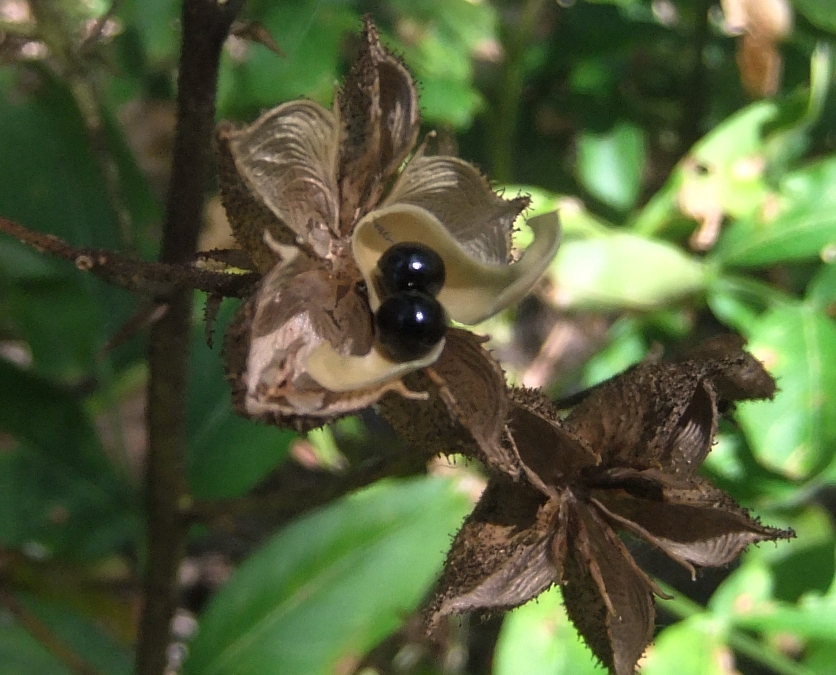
315 197
625 459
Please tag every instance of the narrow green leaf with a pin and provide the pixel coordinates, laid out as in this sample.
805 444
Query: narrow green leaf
610 165
22 654
623 271
795 433
331 585
539 639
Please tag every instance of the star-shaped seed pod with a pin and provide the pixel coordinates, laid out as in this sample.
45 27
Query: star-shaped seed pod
316 197
624 460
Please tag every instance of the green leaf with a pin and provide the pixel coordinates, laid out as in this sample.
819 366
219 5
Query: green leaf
748 586
821 291
720 167
813 617
625 348
227 454
694 646
818 655
795 433
440 48
539 639
21 654
310 33
155 22
804 564
610 165
57 489
52 181
623 271
732 304
821 13
331 585
803 227
48 417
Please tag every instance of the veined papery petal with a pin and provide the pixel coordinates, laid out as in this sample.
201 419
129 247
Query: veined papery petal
288 157
461 198
344 372
473 290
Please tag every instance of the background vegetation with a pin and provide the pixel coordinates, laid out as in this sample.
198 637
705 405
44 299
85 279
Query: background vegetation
644 122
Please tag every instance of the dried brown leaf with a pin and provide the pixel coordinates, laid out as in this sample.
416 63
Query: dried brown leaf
693 522
257 32
550 452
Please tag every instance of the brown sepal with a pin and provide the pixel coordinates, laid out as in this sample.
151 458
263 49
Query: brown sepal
379 110
607 597
499 559
467 407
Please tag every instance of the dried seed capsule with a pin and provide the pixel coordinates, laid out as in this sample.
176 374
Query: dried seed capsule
410 266
409 324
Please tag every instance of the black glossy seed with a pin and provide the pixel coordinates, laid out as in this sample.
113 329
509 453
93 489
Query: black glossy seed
409 324
410 266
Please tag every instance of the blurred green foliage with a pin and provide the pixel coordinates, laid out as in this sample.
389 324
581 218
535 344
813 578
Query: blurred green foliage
630 117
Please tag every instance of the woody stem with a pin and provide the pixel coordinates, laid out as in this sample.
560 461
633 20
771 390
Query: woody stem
205 27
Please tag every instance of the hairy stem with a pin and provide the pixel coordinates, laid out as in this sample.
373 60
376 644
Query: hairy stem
205 26
139 276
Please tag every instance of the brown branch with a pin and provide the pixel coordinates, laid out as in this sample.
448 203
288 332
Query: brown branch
294 489
139 276
43 634
205 26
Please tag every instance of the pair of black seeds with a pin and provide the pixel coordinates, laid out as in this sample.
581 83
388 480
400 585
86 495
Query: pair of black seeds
409 321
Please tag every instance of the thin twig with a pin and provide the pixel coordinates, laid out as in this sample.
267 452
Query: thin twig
43 634
139 276
294 489
205 25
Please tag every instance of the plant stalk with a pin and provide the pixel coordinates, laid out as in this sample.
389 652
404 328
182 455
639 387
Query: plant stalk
205 26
